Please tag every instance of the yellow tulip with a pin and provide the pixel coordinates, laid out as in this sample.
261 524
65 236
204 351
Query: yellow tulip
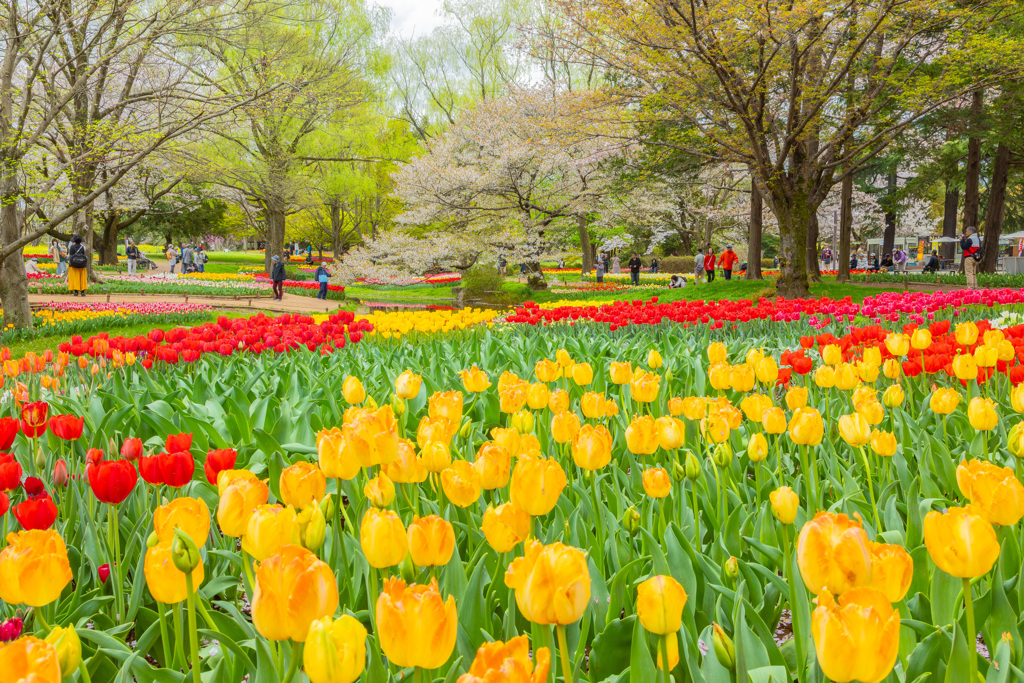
509 379
864 394
654 360
643 386
461 483
966 333
592 404
831 354
512 399
854 429
564 426
671 432
796 398
552 583
825 377
380 491
743 377
474 381
833 553
892 569
372 437
872 355
537 484
986 356
352 390
965 368
897 344
767 370
416 626
672 653
499 662
657 483
675 406
774 420
893 396
883 443
806 427
1017 398
993 337
407 467
582 374
845 377
293 589
227 477
336 460
270 528
68 645
995 492
237 503
867 372
383 538
961 542
505 527
547 370
493 465
717 353
407 385
944 401
558 402
757 447
1006 351
166 582
720 376
620 373
563 358
537 396
754 405
335 650
446 404
659 605
435 456
857 639
30 660
642 435
981 412
592 447
715 428
785 504
694 407
431 541
301 484
921 339
434 429
892 369
34 568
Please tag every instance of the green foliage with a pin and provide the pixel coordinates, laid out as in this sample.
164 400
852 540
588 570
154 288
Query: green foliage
184 216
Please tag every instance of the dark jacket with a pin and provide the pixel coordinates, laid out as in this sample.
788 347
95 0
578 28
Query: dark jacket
635 264
132 252
277 273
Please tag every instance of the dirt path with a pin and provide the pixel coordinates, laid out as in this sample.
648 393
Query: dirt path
290 303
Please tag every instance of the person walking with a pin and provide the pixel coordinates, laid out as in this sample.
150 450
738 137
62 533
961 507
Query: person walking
131 253
277 276
709 264
698 266
59 256
201 259
187 259
78 260
727 260
635 264
172 257
322 277
971 245
599 268
616 265
502 265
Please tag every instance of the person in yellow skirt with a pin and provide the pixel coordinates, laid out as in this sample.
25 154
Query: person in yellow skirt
78 260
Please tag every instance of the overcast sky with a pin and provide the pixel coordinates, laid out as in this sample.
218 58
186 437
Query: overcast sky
413 17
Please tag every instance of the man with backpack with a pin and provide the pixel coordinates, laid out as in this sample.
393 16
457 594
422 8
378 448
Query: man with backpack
277 277
321 276
971 245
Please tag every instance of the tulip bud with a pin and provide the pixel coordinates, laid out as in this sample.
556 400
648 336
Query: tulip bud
732 569
725 651
692 466
722 455
153 539
103 572
327 505
668 375
1015 440
464 432
316 530
40 458
68 646
631 521
371 403
60 473
184 552
397 405
523 422
408 570
678 471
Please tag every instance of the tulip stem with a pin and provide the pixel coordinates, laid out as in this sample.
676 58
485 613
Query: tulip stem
40 619
972 635
696 514
374 593
417 675
118 583
84 671
293 663
871 490
666 674
179 641
599 521
193 633
164 636
563 648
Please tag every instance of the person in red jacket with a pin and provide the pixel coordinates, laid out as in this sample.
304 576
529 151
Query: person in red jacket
709 264
727 260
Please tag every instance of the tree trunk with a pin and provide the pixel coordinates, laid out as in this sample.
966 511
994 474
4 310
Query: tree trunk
889 234
754 235
588 257
996 209
793 219
335 213
973 171
949 212
845 229
108 241
13 282
275 232
813 269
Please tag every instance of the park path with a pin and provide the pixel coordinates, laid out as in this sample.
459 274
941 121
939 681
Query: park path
290 303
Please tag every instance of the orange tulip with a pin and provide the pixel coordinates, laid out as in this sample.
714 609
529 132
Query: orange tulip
474 381
558 402
564 426
293 589
537 484
383 538
657 483
592 447
552 583
30 660
461 483
833 553
416 626
892 569
509 662
301 484
996 493
505 527
238 500
493 466
446 404
334 457
857 639
431 541
34 568
961 542
547 370
407 467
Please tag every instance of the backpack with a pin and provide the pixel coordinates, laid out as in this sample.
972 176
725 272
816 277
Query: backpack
965 244
77 258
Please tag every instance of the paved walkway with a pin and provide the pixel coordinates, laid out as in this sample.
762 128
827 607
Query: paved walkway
290 303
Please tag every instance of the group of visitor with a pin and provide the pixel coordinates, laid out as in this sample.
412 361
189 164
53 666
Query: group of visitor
704 264
193 259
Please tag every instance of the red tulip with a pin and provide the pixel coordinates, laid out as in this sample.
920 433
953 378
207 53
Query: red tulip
60 473
103 571
10 472
217 461
33 418
112 480
10 630
5 503
34 486
178 442
131 449
67 427
176 468
94 456
9 428
149 468
37 512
